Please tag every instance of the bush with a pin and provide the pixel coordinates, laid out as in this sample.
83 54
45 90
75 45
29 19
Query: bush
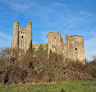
62 90
38 67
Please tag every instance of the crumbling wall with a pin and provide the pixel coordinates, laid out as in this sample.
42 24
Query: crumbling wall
15 38
75 48
55 42
22 37
72 50
37 45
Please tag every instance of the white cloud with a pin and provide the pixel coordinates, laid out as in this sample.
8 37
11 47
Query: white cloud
90 48
79 19
5 35
91 33
19 5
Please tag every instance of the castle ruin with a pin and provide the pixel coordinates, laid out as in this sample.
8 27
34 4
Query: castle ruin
73 49
22 37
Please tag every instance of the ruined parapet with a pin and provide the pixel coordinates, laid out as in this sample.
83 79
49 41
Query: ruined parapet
22 37
55 42
75 48
36 46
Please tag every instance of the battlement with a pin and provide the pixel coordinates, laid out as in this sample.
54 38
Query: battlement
76 36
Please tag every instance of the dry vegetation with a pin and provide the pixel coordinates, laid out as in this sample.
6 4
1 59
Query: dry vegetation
37 67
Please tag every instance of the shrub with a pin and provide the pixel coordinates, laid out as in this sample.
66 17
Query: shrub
62 90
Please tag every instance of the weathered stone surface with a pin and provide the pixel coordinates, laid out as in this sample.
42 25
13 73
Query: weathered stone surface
73 49
22 37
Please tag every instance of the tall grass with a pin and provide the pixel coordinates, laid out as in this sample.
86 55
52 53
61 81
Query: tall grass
67 86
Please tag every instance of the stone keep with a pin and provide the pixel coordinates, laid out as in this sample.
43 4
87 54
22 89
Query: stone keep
72 50
22 37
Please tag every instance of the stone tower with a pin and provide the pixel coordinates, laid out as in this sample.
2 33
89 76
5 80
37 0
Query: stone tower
72 50
15 39
22 37
55 42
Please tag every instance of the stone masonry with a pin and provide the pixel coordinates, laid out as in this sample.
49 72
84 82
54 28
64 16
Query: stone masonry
72 50
22 37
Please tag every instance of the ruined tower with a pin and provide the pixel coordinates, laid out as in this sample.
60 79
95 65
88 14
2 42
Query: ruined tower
15 38
55 42
22 37
72 50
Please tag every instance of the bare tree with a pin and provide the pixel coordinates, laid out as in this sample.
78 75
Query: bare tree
5 53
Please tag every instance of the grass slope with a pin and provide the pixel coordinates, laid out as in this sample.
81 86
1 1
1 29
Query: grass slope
67 86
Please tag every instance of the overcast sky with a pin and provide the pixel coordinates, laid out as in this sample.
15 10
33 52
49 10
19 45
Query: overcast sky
72 17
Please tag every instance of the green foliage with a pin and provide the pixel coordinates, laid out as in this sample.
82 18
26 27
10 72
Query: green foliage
30 50
46 47
93 72
62 90
38 67
40 48
50 51
69 86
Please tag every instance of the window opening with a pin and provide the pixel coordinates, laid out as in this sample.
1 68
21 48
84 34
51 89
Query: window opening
22 37
44 48
75 48
36 48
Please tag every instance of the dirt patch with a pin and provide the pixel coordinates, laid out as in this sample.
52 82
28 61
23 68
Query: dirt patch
93 87
46 83
21 88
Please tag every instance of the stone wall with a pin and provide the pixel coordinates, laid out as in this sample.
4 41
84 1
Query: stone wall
72 50
22 37
55 42
36 46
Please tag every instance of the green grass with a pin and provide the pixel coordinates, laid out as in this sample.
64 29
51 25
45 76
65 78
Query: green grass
67 86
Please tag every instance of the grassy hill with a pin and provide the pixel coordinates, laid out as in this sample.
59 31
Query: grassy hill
67 86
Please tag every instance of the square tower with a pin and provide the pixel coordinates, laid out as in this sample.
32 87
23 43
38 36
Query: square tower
55 42
22 37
